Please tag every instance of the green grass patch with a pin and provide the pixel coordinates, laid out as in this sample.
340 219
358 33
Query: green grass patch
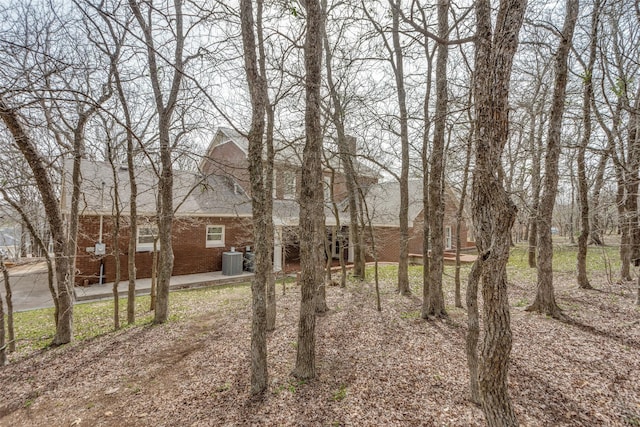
35 328
340 394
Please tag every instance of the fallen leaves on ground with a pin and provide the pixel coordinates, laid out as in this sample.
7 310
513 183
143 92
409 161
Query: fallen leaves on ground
373 368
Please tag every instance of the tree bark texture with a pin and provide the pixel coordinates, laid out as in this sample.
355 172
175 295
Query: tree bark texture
545 299
493 211
64 321
435 304
460 219
403 264
165 114
11 334
583 185
535 191
473 330
311 195
257 89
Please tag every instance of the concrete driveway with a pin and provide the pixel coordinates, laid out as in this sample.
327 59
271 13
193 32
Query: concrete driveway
29 287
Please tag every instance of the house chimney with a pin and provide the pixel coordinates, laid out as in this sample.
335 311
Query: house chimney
352 145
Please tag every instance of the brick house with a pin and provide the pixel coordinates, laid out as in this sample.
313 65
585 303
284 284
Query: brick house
383 201
213 211
212 215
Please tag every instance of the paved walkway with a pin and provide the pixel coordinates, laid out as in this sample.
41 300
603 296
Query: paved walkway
30 289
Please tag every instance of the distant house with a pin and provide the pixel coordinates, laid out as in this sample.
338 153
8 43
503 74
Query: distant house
383 201
213 211
212 214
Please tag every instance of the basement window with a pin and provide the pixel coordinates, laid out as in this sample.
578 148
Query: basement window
215 236
147 233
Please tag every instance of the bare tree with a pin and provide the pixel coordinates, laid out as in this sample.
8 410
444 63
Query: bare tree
311 194
493 211
545 298
583 185
435 301
165 110
258 91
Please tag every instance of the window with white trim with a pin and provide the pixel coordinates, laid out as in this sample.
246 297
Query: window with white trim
147 233
215 236
289 185
448 238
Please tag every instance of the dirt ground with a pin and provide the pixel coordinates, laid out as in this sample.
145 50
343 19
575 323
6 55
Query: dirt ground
388 368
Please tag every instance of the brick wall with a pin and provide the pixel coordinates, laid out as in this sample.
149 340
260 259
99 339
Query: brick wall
388 238
189 247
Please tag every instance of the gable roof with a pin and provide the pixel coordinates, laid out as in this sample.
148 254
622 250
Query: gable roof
284 152
383 202
193 193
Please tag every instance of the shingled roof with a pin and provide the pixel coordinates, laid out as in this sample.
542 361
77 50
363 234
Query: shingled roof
193 193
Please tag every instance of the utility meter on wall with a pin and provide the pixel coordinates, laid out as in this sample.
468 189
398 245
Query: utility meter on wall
100 249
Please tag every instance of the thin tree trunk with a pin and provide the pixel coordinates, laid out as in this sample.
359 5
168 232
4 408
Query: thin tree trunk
258 90
165 114
347 152
311 221
11 334
545 299
583 185
403 263
154 275
116 215
435 303
459 217
535 141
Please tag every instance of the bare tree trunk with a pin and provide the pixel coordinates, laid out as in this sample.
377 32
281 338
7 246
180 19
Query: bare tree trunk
493 212
11 334
403 263
64 324
545 299
473 330
435 304
133 196
257 89
347 152
459 217
154 275
37 241
165 114
3 342
311 222
583 185
535 190
596 233
268 180
116 215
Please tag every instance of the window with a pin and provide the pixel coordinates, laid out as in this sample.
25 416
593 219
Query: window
289 185
147 233
448 240
215 236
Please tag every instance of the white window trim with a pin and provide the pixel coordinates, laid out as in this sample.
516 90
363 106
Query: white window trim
214 243
448 238
147 246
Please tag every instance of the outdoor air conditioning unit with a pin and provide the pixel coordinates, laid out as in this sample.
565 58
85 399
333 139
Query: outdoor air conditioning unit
232 263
